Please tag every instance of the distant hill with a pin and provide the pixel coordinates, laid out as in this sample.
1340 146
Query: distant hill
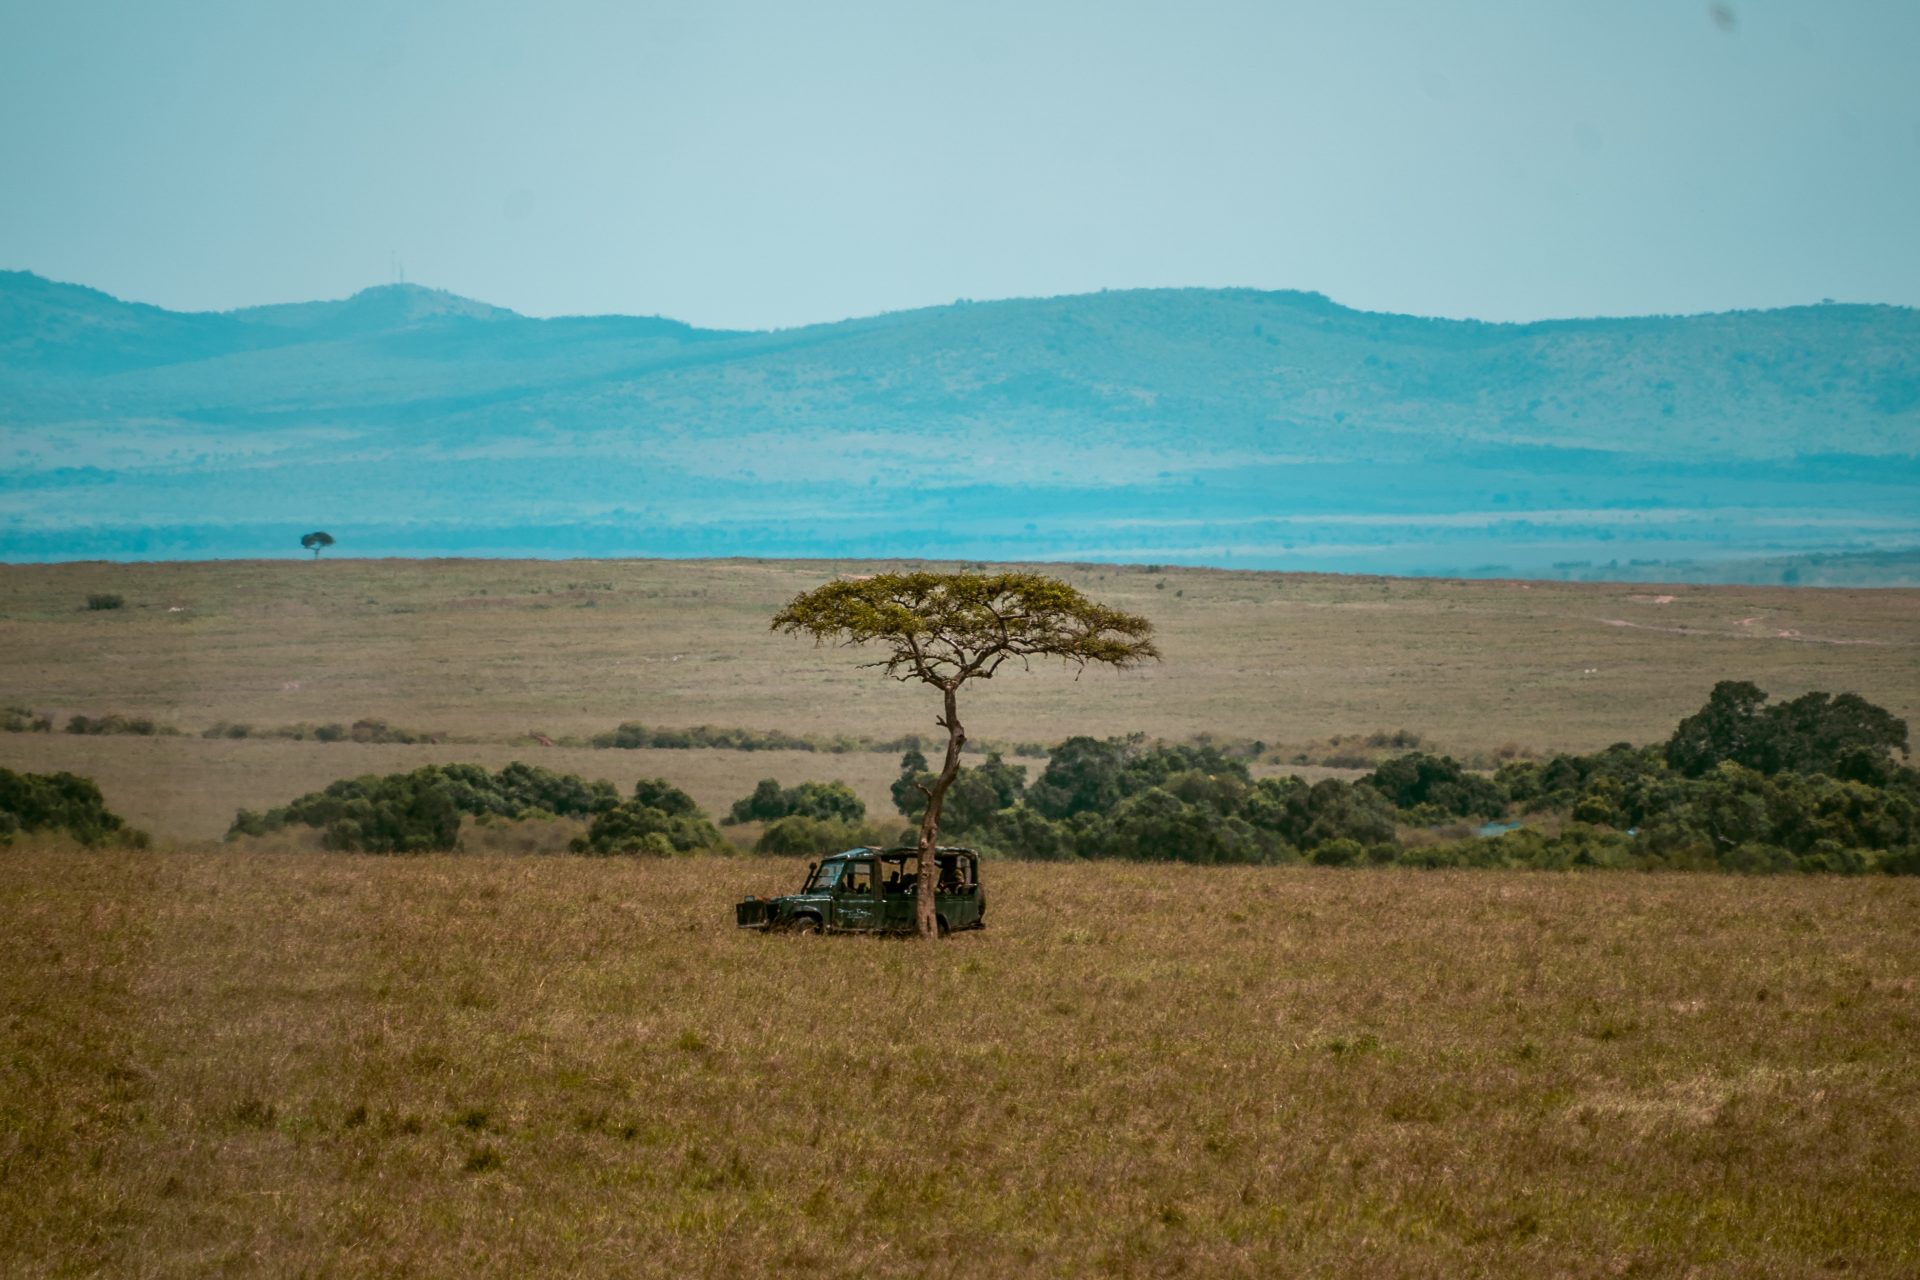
1214 426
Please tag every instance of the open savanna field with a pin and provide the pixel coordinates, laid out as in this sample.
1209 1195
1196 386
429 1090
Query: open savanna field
487 652
238 1064
267 1060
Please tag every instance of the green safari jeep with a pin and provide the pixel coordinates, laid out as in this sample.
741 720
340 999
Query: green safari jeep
871 890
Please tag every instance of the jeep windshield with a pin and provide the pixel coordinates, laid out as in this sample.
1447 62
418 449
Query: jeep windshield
824 877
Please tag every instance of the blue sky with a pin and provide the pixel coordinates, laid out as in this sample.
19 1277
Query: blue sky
757 165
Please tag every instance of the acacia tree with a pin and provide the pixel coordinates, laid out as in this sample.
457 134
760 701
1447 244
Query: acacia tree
944 629
316 542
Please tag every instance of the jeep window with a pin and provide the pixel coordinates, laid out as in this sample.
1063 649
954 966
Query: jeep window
858 879
824 877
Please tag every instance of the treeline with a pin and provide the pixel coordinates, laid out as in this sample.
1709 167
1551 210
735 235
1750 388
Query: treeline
60 804
1817 783
26 720
422 811
363 731
1811 784
632 735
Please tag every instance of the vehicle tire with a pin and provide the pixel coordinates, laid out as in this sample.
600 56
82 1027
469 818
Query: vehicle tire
807 925
940 923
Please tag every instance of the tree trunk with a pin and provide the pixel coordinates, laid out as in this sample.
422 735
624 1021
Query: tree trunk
924 915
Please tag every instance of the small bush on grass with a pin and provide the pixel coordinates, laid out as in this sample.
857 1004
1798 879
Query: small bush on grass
139 726
24 720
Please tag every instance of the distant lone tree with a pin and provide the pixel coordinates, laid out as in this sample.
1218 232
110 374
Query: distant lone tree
944 629
317 542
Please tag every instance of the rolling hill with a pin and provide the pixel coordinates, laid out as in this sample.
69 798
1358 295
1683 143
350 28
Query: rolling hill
1228 427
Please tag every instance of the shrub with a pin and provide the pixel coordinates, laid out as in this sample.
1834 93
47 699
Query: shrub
659 819
24 720
826 800
633 735
381 731
1339 853
105 600
421 811
977 793
1843 737
139 726
1025 832
1089 775
803 834
60 802
1437 788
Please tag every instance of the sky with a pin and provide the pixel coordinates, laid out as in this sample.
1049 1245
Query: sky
755 165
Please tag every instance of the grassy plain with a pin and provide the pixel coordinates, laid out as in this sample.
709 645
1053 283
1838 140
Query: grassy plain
489 651
226 1062
231 1064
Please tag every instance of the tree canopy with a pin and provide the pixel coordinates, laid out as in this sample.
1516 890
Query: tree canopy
1842 736
950 627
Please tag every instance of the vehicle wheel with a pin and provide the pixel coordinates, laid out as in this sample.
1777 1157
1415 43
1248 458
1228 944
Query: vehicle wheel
806 924
941 923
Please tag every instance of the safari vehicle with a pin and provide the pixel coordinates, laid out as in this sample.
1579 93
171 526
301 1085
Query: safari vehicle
871 890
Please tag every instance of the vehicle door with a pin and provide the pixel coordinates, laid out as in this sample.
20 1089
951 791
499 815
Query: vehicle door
959 891
856 899
896 894
816 896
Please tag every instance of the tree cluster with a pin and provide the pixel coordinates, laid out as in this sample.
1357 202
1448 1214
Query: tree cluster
1812 784
1127 798
771 802
1843 737
1730 816
60 803
633 735
658 819
421 811
811 818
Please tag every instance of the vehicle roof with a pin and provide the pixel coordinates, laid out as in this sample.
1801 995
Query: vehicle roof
868 851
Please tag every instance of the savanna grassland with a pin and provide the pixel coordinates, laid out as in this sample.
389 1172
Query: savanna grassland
487 652
227 1064
268 1060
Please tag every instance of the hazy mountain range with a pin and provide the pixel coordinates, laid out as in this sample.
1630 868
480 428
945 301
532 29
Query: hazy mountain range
1228 427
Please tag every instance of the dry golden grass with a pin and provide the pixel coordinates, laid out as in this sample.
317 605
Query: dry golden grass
260 1062
491 650
221 1064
